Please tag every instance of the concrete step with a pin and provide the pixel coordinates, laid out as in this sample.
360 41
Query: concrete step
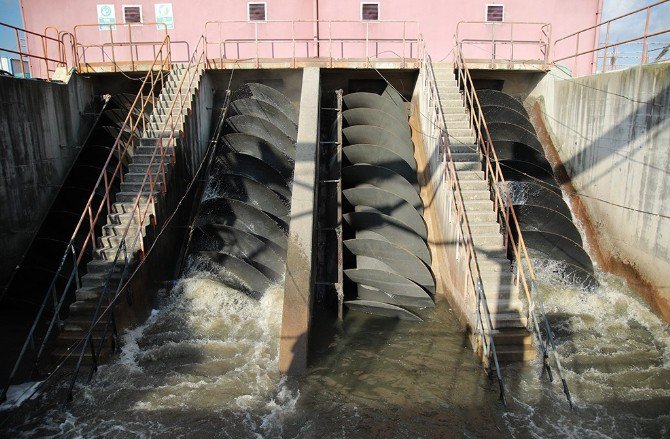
514 337
99 279
491 266
114 241
141 168
166 133
488 242
89 293
456 117
453 111
508 320
129 197
166 119
144 186
485 228
451 103
450 94
108 253
100 266
515 354
503 305
465 157
175 111
459 125
472 185
460 132
119 230
477 217
475 194
145 159
472 175
462 148
462 140
126 208
468 166
122 219
138 177
164 149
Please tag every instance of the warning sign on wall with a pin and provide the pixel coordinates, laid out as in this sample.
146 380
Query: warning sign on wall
106 17
164 15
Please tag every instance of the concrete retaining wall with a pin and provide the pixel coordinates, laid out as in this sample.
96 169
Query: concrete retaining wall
41 130
611 131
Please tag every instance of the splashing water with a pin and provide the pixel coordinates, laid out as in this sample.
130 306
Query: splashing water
209 353
616 358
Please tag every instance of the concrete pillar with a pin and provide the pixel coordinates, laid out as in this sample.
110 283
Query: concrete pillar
298 286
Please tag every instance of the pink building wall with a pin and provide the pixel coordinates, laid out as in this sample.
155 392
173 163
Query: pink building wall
437 22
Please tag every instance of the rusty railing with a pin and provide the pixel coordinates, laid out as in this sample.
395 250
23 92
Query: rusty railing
51 59
445 183
597 59
305 40
503 207
497 41
147 192
96 208
129 59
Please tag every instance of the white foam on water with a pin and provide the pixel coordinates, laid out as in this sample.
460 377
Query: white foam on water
19 393
130 348
209 352
615 355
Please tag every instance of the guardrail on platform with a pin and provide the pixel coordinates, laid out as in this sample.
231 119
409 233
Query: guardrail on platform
303 40
508 41
50 54
604 52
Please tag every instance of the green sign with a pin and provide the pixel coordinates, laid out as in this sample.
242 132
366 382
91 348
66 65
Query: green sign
106 17
164 15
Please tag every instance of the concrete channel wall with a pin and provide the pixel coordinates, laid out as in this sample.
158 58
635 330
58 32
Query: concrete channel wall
611 132
41 132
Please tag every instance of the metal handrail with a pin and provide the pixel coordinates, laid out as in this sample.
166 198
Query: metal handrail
607 23
88 218
314 39
81 59
196 61
484 324
44 39
503 207
543 42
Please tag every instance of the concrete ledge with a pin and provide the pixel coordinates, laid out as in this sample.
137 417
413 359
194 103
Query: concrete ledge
298 286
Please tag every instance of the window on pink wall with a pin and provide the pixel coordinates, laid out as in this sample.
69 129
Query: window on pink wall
495 13
256 11
369 11
132 14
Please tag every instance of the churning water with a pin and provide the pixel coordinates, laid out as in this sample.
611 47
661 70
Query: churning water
205 365
616 356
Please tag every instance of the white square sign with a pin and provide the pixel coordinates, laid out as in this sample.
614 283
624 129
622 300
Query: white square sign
106 17
164 15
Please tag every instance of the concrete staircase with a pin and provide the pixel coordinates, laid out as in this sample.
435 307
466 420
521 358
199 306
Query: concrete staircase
119 218
513 341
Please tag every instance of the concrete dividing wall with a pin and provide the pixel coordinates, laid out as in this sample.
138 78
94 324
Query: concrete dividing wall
41 131
299 277
611 131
